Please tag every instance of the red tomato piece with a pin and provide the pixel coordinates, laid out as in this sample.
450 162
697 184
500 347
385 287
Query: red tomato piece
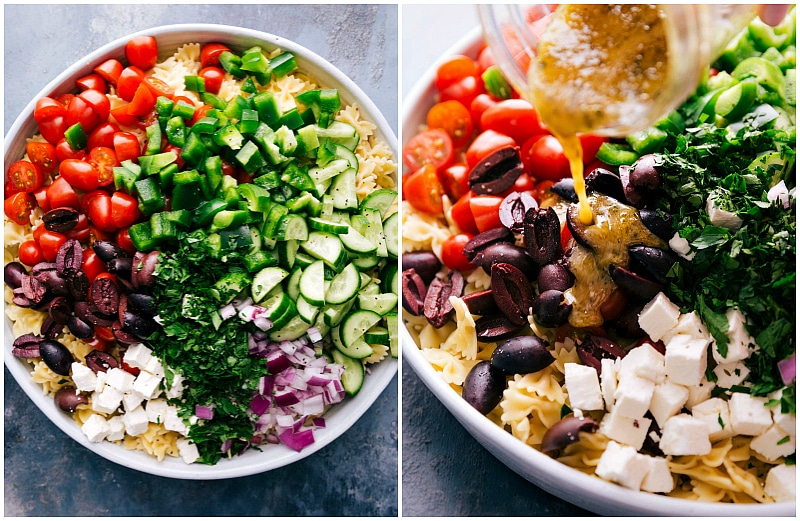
103 135
60 193
64 151
43 155
455 180
159 87
98 343
129 80
453 252
99 211
109 70
40 194
462 214
124 209
120 114
432 147
18 207
143 101
485 59
81 230
24 176
543 157
515 118
47 108
30 253
486 211
142 52
92 266
454 118
79 174
123 240
126 146
104 333
423 190
454 70
479 106
98 101
80 111
590 144
50 242
209 54
199 113
213 78
52 129
103 160
524 183
172 148
487 142
133 370
464 90
91 82
566 238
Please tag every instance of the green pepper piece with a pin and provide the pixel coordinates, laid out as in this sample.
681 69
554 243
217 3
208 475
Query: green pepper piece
766 73
325 103
124 179
161 227
151 199
164 106
194 151
205 125
212 99
297 176
672 122
229 218
253 60
647 141
495 83
153 164
232 64
256 197
307 140
153 133
76 137
195 83
229 136
205 213
267 106
283 64
187 193
259 260
249 121
765 36
235 107
213 170
249 86
183 110
291 119
236 238
142 236
616 154
176 131
269 180
180 217
250 158
166 174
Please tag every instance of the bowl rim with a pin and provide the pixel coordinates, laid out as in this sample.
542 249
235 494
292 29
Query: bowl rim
340 417
569 484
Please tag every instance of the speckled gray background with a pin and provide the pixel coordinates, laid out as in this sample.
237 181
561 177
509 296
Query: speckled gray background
47 473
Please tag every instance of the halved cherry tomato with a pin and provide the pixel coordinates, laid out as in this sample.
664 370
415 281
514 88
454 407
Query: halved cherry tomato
464 90
453 252
123 240
92 266
423 190
98 343
485 59
65 98
566 238
120 114
81 230
515 118
104 332
50 242
98 101
126 146
43 155
103 160
124 209
60 193
142 52
543 157
209 54
79 174
143 101
47 108
99 211
486 211
37 231
132 370
200 113
487 142
172 148
18 207
52 129
80 111
454 70
40 194
91 82
541 190
213 78
109 70
432 147
461 214
30 253
590 144
159 87
524 183
103 135
24 176
455 180
454 118
129 80
479 106
64 151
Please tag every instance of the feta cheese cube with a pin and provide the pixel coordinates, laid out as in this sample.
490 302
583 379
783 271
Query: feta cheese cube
157 410
146 384
731 374
188 451
700 393
116 428
608 380
685 360
623 465
120 379
658 316
668 399
785 420
138 356
718 216
101 381
154 367
740 343
681 246
83 377
136 421
749 415
715 413
689 324
658 477
106 401
583 387
132 400
644 361
781 483
633 395
620 428
173 422
683 435
774 443
96 428
176 389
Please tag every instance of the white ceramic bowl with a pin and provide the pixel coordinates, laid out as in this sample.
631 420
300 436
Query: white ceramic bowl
340 417
556 478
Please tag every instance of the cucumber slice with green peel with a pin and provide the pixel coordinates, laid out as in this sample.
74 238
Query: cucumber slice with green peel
303 260
321 174
365 279
334 314
392 325
336 130
344 285
329 226
277 305
390 281
377 335
356 324
265 280
381 200
342 152
306 311
370 289
292 330
356 243
736 101
381 303
353 375
287 251
313 283
326 247
293 283
370 225
343 189
366 263
289 313
292 227
358 349
391 230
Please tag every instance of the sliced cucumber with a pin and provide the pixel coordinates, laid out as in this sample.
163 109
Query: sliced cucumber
356 324
344 286
292 227
370 225
381 303
343 189
356 243
276 305
358 350
292 330
381 200
389 278
265 280
370 289
329 226
321 174
366 263
287 251
293 283
303 260
306 311
353 375
313 283
289 313
377 335
342 152
392 233
366 280
392 325
326 247
336 130
334 314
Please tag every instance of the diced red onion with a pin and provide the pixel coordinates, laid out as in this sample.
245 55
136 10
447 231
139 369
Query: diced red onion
284 420
314 335
277 361
788 369
262 323
286 398
779 193
319 422
227 311
204 412
297 440
259 404
226 446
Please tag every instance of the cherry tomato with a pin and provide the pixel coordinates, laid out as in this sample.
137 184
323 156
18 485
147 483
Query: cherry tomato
18 207
200 113
566 238
461 214
464 90
423 190
40 194
209 54
142 52
454 118
126 146
515 118
92 266
129 80
541 190
109 70
60 193
543 157
47 108
159 87
143 101
30 253
104 332
479 106
524 183
213 78
24 176
454 70
172 148
485 59
120 114
123 240
79 111
590 144
455 180
52 129
453 252
79 174
98 343
91 82
103 160
103 135
43 155
64 151
81 230
124 209
432 146
50 242
98 101
487 142
99 211
486 211
132 370
65 98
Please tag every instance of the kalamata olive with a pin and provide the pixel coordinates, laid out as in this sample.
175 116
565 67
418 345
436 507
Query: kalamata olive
605 182
20 299
142 271
594 348
508 254
60 219
633 196
494 328
565 189
120 266
425 263
555 276
658 222
512 292
650 446
626 324
90 314
413 292
100 362
121 335
483 387
12 274
542 231
549 308
522 355
480 302
105 295
60 310
106 251
437 307
497 172
80 328
68 398
646 260
27 346
614 304
512 209
78 284
33 289
69 258
576 228
138 325
645 173
141 303
634 285
485 239
54 282
56 356
51 328
566 432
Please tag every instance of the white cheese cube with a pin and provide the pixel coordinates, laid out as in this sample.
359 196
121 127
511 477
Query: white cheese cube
749 415
583 387
176 389
623 465
658 316
658 477
116 428
83 377
136 421
101 381
188 451
715 413
740 343
685 360
630 431
774 443
644 361
785 420
781 483
608 380
95 428
106 401
154 367
718 216
157 410
683 435
633 395
137 355
668 399
120 379
173 422
132 400
146 384
731 374
689 324
700 393
681 246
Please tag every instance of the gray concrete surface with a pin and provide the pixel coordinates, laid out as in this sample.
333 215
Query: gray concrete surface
46 473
